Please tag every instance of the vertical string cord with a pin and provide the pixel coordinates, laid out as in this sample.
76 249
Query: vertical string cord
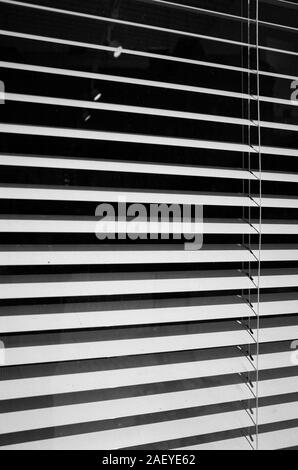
244 131
260 224
249 145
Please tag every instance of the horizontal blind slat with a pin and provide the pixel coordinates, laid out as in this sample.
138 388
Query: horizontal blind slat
76 382
142 82
92 46
139 405
33 224
146 26
120 348
144 434
176 114
146 168
38 255
108 314
141 139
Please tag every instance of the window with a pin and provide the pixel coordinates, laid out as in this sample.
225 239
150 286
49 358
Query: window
113 335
